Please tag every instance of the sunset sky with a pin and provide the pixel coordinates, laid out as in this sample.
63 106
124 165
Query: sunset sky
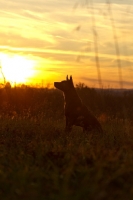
43 41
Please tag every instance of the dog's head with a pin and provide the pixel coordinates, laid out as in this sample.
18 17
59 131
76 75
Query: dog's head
65 85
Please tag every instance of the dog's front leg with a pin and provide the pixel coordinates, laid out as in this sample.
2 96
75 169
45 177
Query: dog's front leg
68 127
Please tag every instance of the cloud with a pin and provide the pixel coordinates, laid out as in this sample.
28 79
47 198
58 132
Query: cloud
47 30
107 83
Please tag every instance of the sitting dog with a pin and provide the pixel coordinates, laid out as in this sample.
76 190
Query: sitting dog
76 112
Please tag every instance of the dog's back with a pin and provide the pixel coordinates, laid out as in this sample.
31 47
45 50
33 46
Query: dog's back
75 111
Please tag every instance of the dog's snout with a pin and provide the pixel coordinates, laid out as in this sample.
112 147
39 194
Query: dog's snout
56 84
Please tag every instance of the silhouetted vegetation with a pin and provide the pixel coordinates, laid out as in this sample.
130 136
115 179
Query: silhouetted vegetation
112 103
38 160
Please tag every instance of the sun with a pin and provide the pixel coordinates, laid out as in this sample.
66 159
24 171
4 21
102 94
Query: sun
16 69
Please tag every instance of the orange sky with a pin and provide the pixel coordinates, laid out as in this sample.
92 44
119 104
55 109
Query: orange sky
43 41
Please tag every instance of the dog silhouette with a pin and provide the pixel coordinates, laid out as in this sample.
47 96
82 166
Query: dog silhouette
76 112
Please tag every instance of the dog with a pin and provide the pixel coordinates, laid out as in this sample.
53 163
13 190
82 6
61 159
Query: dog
76 112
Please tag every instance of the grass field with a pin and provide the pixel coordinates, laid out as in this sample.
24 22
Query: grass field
38 160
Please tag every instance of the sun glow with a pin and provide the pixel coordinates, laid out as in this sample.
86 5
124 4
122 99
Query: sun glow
16 69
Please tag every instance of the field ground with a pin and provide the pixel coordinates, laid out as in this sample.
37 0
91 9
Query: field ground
38 160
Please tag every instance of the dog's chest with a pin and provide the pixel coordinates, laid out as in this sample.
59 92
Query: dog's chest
72 109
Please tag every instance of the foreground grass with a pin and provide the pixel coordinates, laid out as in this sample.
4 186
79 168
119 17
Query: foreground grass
39 161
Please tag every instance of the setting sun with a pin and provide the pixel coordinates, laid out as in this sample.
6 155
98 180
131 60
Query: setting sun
44 41
16 69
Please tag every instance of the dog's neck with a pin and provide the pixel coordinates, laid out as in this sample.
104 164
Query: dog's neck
71 97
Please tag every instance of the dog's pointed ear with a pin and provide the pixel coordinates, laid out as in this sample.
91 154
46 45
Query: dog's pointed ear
67 77
71 79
